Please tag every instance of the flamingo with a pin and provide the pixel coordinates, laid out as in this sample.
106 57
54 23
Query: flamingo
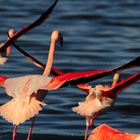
25 92
102 98
6 53
5 47
105 132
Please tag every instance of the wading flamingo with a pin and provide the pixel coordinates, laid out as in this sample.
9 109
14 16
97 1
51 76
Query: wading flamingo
105 132
101 98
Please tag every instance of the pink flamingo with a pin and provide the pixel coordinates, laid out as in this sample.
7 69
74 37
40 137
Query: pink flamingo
5 47
101 98
105 132
25 92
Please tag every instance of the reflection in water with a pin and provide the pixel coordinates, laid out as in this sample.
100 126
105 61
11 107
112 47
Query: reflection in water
97 35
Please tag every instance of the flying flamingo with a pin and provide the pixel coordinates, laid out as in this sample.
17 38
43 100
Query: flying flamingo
25 92
101 98
5 47
29 86
105 132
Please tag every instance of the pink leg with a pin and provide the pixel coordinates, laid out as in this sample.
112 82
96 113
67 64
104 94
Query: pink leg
31 128
91 122
86 132
14 133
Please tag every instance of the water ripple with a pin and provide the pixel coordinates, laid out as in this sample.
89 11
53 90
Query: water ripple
97 35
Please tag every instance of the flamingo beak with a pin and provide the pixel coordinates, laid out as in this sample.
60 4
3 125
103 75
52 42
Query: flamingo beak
2 79
61 40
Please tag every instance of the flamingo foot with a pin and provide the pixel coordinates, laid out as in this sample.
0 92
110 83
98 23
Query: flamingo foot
91 122
31 129
14 133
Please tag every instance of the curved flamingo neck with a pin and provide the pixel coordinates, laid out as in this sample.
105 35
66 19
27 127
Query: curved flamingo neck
55 37
50 59
11 33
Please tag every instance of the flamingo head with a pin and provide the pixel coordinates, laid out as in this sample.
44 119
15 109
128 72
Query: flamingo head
2 79
57 36
11 32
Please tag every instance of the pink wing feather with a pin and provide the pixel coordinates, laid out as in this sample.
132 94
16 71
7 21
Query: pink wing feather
122 85
15 86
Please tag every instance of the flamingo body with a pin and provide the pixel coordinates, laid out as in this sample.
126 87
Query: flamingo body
105 132
95 103
28 84
26 99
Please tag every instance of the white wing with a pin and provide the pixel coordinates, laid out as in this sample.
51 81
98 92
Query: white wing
17 86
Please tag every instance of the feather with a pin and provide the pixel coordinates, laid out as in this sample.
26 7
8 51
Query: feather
31 83
18 111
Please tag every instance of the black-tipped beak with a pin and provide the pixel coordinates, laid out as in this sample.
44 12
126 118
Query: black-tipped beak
61 40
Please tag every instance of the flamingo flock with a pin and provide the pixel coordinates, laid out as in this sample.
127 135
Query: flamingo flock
30 90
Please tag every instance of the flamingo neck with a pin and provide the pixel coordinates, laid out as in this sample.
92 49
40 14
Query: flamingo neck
50 59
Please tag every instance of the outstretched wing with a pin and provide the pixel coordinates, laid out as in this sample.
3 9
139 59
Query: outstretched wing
122 85
75 78
134 63
26 85
30 26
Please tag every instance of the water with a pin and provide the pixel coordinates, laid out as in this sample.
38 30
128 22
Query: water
97 35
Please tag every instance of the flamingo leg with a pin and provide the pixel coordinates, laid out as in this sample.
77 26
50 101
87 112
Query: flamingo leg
31 128
86 132
14 133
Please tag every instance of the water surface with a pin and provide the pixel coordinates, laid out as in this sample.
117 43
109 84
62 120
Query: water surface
97 35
